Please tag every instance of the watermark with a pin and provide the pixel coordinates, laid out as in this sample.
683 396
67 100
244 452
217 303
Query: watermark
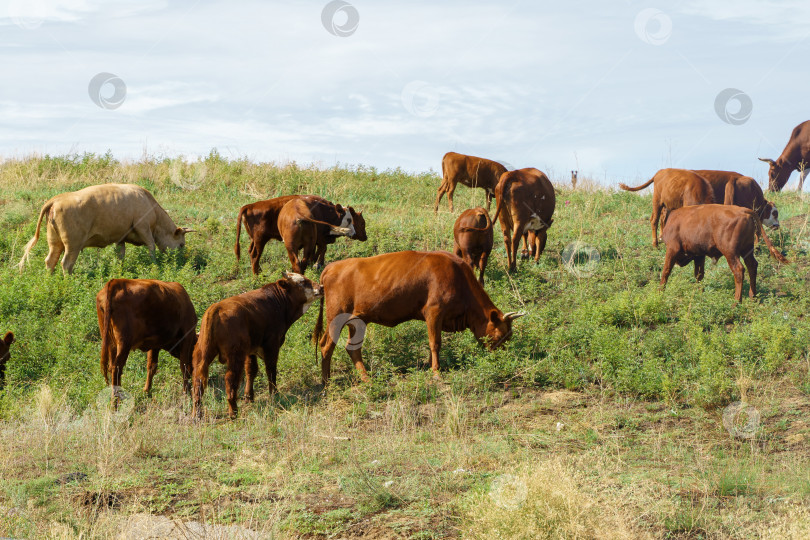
190 181
741 420
340 18
653 26
580 259
508 492
336 326
117 401
101 96
742 112
27 14
420 99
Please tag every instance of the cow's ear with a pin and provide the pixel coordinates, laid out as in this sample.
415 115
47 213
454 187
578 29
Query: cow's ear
9 339
285 275
339 208
494 317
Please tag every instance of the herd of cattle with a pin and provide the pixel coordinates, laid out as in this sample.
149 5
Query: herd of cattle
437 287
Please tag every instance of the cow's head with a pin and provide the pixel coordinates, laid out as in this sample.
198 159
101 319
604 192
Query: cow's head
499 328
173 240
778 174
769 215
359 223
5 343
307 290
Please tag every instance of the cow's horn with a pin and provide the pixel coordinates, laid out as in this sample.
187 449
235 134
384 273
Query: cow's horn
512 315
285 275
766 160
187 230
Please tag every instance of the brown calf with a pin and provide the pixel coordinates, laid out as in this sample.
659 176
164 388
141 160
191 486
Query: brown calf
240 328
694 232
470 171
472 239
734 188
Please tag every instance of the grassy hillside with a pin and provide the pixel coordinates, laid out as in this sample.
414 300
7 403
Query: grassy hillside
602 416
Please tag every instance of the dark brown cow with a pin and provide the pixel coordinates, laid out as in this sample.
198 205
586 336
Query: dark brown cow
694 232
432 286
673 189
470 171
472 239
795 157
526 202
5 344
308 224
261 224
148 315
240 328
735 188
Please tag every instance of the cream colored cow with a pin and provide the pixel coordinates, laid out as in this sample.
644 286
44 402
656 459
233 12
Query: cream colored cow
98 216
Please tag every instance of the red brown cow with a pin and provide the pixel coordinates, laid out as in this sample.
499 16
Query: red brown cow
526 202
5 344
148 315
470 171
735 188
472 239
795 157
309 224
240 328
694 232
673 189
432 286
261 224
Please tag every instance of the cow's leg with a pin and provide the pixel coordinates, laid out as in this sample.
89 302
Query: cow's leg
271 365
320 255
507 240
516 236
700 267
751 264
251 369
482 265
327 349
256 255
356 354
434 324
451 189
151 369
121 250
235 362
201 365
55 248
669 262
656 215
308 256
186 366
117 369
525 253
540 238
69 260
737 270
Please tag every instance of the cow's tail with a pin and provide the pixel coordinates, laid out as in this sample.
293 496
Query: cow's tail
203 352
236 249
317 332
771 248
336 228
728 194
487 227
30 245
106 330
639 188
501 201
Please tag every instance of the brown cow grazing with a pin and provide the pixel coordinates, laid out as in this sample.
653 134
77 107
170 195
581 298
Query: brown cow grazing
526 202
432 286
470 171
472 239
240 328
673 189
795 157
694 232
148 315
5 344
261 224
307 224
734 188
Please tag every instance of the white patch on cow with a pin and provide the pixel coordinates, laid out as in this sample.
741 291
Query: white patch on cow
347 226
772 220
296 278
534 223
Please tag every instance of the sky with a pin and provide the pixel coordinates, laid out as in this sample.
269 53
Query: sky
615 90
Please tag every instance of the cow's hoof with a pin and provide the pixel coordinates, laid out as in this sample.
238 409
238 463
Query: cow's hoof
524 255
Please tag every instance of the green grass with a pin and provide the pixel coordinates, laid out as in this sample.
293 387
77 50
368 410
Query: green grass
638 377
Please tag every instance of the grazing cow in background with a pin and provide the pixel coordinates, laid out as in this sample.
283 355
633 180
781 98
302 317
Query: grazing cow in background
148 315
673 189
526 202
694 232
261 224
240 328
306 224
795 157
470 171
5 344
734 188
473 238
98 216
432 286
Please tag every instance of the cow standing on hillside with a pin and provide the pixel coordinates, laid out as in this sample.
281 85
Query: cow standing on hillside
673 189
98 216
795 157
734 188
526 202
148 315
5 344
240 328
694 232
473 239
261 224
432 286
470 171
